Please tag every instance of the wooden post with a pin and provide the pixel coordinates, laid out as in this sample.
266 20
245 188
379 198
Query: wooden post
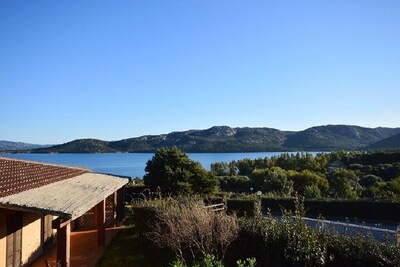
63 243
100 223
114 209
121 204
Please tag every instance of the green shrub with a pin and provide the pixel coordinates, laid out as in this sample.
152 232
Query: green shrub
208 261
359 250
211 261
290 242
303 247
249 262
238 183
250 242
143 217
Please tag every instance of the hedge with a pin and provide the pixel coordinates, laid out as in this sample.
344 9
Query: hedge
366 210
243 207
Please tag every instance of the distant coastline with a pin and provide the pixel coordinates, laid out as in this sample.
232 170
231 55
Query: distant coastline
224 139
127 164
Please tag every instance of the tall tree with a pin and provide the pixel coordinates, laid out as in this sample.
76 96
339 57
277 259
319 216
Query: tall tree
174 172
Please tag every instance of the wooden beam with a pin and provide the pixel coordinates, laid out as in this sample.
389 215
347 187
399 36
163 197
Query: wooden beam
59 223
100 223
64 244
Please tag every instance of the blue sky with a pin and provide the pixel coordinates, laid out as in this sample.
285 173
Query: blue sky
118 69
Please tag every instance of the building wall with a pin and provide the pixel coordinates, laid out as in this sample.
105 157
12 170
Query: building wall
2 244
3 229
31 237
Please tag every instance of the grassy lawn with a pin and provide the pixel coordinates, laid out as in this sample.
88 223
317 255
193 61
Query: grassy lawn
130 249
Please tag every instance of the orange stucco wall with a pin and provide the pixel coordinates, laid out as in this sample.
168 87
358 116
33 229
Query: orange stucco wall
3 221
31 236
3 235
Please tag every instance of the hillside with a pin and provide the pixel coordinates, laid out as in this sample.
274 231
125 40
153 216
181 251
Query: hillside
79 146
334 137
227 139
215 139
9 145
392 142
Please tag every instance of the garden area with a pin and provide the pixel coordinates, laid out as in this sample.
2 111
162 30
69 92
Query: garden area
171 222
184 232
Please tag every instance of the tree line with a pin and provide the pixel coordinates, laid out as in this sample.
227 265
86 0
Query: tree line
338 174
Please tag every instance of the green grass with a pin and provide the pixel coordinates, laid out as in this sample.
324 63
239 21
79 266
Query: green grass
130 249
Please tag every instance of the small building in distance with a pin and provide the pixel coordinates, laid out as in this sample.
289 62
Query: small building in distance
40 204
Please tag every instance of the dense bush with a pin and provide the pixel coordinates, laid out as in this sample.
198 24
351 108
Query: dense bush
290 242
359 250
142 217
237 183
189 229
272 180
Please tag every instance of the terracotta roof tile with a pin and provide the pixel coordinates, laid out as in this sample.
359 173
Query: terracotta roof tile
19 175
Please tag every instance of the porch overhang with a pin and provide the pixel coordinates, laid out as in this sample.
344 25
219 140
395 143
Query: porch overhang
68 198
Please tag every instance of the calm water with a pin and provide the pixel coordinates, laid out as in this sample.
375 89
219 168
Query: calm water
130 164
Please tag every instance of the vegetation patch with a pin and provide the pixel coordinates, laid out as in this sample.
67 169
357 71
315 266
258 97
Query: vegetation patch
129 248
176 223
190 230
198 237
290 242
341 175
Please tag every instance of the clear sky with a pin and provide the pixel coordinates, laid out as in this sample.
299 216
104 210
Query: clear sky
119 69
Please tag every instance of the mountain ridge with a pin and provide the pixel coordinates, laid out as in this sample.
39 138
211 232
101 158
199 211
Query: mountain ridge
238 139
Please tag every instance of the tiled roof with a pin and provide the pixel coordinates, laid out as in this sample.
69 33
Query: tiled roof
19 175
68 198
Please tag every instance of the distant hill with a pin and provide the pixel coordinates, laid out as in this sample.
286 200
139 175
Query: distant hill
227 139
333 137
9 145
79 146
215 139
392 142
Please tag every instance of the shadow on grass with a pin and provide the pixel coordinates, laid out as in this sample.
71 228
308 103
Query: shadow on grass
130 249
